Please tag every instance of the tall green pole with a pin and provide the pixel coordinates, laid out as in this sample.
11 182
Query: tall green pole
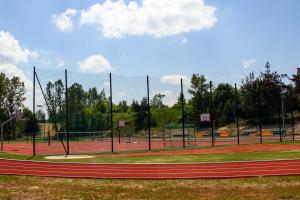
111 116
237 114
182 113
149 115
67 112
33 111
211 115
259 112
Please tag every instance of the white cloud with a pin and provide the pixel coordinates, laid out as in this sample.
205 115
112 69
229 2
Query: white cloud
60 63
184 40
174 79
12 54
248 63
95 64
122 94
63 21
115 19
11 70
10 50
106 84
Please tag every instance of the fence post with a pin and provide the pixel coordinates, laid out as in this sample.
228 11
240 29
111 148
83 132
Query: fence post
111 116
149 115
67 111
259 112
279 122
1 131
211 115
33 111
293 129
279 117
237 114
119 135
182 113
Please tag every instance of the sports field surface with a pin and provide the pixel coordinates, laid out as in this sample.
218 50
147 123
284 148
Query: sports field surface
80 147
219 162
154 174
151 171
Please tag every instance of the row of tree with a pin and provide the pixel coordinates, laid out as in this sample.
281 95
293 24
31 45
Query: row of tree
12 97
89 110
257 97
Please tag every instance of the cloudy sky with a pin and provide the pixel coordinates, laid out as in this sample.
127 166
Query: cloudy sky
166 39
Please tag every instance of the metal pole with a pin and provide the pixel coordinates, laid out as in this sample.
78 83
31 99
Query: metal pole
282 110
48 137
149 115
182 113
44 130
189 138
33 111
293 129
119 135
1 137
279 123
67 112
111 116
237 114
211 115
259 102
1 129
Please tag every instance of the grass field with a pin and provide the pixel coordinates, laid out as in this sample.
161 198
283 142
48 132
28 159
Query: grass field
29 187
22 187
172 158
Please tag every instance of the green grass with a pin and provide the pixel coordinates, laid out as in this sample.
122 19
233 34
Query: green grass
198 158
26 187
194 158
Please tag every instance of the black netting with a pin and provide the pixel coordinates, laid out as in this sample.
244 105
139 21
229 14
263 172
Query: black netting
81 117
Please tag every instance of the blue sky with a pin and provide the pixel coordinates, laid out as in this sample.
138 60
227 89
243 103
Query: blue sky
236 38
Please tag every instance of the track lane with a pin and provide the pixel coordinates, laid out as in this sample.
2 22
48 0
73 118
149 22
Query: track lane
151 171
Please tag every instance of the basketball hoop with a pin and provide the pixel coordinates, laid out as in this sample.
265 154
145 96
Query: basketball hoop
121 123
205 117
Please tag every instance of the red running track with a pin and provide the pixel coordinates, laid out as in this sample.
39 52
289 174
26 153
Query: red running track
151 171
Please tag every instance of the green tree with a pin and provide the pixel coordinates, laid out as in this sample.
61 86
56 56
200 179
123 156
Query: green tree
157 101
140 113
40 116
249 92
15 98
296 90
199 91
123 107
31 123
4 85
224 104
271 85
77 99
59 99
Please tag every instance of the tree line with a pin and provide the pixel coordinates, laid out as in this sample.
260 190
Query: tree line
89 110
12 97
